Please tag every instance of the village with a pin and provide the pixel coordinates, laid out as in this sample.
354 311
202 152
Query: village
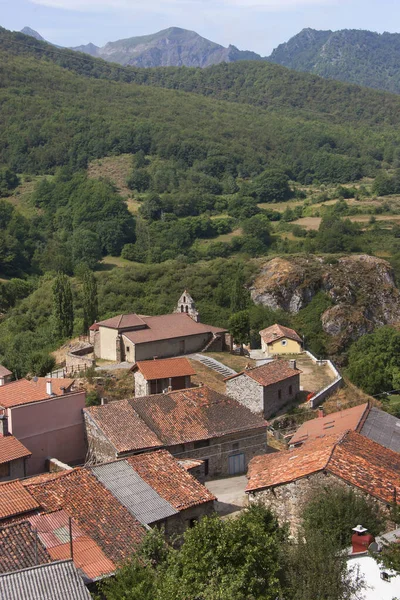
206 427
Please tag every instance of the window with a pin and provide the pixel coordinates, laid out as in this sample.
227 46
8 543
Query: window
187 309
192 522
127 349
279 394
206 467
184 299
182 308
201 444
235 446
284 342
290 390
5 470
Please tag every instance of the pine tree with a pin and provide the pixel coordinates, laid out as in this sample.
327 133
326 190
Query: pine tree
90 301
63 308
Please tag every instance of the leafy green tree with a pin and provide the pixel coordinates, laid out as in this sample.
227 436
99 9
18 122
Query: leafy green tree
259 227
86 247
92 398
63 309
239 326
8 181
90 300
41 363
374 361
272 186
240 297
139 180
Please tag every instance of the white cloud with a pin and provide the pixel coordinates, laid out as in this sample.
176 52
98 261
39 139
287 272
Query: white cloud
132 6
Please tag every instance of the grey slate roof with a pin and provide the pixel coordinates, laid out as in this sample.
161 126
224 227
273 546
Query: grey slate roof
383 428
55 581
133 492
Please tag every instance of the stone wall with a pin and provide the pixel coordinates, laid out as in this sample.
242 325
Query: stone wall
287 501
286 389
100 449
177 524
169 348
17 469
142 387
246 391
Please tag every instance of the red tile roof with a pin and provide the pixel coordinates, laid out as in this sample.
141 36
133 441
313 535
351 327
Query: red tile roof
337 422
167 327
173 418
275 332
26 391
352 457
94 509
53 531
171 481
270 373
122 425
12 449
164 368
123 322
20 548
4 372
15 500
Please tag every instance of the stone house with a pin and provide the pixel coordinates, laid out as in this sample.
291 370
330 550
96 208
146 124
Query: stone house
197 423
5 375
45 415
157 376
285 481
13 455
265 389
134 338
278 339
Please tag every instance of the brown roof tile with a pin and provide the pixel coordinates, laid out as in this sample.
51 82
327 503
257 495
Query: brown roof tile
15 500
12 449
20 548
270 373
123 426
166 327
171 481
164 368
275 332
337 422
122 322
194 414
94 509
26 391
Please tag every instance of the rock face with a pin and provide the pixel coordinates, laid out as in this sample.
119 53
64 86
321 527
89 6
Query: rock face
361 288
32 33
173 47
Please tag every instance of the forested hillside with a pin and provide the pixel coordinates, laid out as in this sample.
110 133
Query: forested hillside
353 55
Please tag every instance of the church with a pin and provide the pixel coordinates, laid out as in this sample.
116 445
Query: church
133 337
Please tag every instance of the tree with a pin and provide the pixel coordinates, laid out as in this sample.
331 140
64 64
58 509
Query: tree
41 363
239 294
90 301
63 309
86 247
239 326
272 186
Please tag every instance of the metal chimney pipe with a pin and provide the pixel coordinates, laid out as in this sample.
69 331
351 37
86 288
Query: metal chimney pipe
49 389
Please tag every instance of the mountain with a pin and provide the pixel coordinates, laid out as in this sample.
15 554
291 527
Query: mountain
171 47
356 56
32 33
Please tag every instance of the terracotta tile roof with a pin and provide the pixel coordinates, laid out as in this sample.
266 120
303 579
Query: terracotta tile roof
94 327
367 465
122 322
122 425
171 481
94 509
166 327
188 464
194 414
20 548
270 373
350 456
275 332
164 368
278 468
337 422
53 531
4 372
15 499
12 449
25 391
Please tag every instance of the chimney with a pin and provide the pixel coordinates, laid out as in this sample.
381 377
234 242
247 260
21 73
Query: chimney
102 401
62 390
321 412
361 540
3 426
49 389
169 388
292 363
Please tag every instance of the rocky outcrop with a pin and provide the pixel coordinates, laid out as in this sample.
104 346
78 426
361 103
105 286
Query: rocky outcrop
361 288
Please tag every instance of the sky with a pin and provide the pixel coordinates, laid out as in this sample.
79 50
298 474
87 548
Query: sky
258 25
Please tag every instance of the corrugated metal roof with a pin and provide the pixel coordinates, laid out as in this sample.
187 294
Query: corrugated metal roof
55 581
133 492
383 428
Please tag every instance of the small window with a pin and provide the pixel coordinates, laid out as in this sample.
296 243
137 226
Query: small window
284 342
184 299
127 348
201 444
206 467
290 390
235 446
279 394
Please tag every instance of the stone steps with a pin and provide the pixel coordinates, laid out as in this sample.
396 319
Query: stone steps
217 366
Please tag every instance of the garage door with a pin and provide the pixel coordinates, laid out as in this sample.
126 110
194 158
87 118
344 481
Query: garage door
236 464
